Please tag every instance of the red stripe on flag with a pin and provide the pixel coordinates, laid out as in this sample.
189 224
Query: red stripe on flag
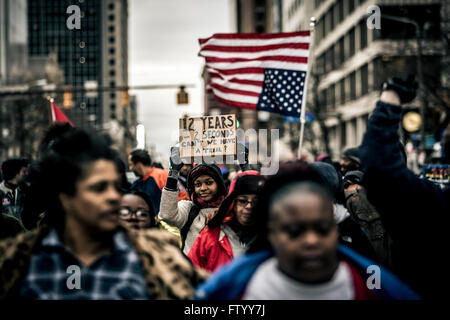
265 58
215 75
300 45
236 104
241 71
250 82
250 36
236 91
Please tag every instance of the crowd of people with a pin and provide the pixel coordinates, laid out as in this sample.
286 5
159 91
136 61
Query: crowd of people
364 228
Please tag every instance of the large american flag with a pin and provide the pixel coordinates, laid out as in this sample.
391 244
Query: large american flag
264 71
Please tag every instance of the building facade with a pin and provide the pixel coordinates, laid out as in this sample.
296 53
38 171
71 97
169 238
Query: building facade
97 53
351 60
13 41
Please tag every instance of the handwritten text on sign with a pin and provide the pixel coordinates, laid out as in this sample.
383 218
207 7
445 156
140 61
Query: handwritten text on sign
208 136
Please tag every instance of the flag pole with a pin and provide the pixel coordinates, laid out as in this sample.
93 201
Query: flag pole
49 109
305 88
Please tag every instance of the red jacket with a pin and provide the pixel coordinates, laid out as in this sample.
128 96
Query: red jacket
209 252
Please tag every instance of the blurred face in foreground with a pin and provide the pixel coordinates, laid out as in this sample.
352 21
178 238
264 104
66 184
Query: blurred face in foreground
135 212
304 235
95 205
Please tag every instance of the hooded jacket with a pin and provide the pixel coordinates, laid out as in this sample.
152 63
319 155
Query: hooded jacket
177 213
230 282
218 244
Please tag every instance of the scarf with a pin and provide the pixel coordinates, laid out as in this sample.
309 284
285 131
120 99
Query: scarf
204 204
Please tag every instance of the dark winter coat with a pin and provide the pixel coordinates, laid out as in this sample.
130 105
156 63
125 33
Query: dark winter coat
415 212
369 219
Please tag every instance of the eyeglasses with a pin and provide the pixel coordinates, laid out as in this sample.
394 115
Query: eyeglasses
140 213
244 202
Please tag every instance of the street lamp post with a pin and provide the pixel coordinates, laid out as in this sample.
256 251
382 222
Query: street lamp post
419 71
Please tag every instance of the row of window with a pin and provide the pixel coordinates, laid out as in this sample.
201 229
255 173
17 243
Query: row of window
343 49
345 90
334 16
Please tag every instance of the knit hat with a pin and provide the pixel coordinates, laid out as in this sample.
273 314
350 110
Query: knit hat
354 176
331 177
352 154
247 182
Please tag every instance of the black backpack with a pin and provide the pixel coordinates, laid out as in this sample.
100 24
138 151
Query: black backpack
193 213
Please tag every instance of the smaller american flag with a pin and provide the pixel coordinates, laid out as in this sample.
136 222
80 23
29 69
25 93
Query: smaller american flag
265 72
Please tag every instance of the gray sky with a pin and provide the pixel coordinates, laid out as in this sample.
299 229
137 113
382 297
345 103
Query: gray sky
163 48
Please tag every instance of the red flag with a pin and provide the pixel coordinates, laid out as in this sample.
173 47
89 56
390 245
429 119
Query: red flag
58 115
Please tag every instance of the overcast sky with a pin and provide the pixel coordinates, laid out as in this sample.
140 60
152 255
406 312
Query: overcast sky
163 48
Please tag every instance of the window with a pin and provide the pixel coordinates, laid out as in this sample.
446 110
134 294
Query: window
111 17
112 62
318 33
351 6
322 29
112 50
111 28
112 84
342 86
363 34
352 86
112 73
111 6
337 54
341 10
343 134
331 98
320 65
342 50
352 42
364 79
323 98
112 95
329 60
260 29
111 39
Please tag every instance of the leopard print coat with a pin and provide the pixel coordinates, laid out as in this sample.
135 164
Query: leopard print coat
169 274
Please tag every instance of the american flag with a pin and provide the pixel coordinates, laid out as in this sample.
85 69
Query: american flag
264 71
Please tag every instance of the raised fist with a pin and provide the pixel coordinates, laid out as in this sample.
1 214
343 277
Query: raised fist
406 89
175 160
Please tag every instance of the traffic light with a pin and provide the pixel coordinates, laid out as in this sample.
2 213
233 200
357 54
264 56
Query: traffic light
125 98
182 96
67 99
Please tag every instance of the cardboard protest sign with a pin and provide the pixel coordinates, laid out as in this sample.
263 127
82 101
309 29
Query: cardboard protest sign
208 136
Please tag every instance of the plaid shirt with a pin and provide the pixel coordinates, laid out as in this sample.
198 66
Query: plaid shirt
118 275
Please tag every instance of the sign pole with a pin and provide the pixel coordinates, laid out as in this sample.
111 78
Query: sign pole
305 88
49 109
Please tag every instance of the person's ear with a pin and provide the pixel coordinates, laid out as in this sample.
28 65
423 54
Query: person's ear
64 199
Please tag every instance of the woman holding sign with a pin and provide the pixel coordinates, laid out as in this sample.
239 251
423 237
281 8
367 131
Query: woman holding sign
232 229
206 190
